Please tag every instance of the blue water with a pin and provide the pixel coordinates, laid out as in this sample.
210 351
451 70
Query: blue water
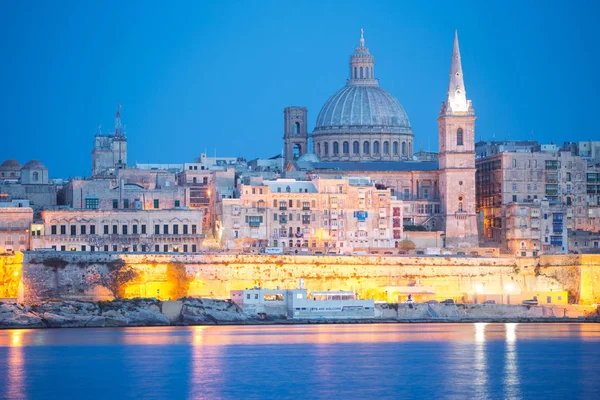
450 361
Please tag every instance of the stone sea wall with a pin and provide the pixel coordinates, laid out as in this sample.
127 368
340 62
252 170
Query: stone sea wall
74 275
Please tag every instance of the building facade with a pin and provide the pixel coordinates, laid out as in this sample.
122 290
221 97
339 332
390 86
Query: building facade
15 226
320 214
120 230
110 150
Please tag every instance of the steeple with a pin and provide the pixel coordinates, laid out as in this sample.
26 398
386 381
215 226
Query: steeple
118 126
362 65
457 95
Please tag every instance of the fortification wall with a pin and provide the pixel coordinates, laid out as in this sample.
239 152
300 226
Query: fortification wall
72 275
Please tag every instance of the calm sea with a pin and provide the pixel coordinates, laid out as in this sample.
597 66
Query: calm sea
449 361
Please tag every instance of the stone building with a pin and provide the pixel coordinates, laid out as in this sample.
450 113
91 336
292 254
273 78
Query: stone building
110 150
535 228
561 178
322 214
15 225
363 130
28 182
124 230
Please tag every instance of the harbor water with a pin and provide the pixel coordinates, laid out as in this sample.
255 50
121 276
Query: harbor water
396 361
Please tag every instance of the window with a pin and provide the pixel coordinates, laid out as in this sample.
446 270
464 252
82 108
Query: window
156 203
156 229
459 137
395 148
403 148
376 147
91 203
166 248
53 229
386 148
73 230
193 248
194 230
336 148
346 148
115 229
156 248
185 229
135 229
126 203
143 229
106 229
185 248
124 229
175 229
366 148
355 148
166 229
83 229
460 206
114 247
205 180
326 148
115 203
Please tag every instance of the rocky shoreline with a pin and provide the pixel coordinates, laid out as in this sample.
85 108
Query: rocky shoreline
57 313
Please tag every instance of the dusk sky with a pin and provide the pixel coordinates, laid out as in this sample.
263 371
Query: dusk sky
216 75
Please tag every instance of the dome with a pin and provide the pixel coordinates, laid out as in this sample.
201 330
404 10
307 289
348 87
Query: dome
368 106
11 164
34 164
308 157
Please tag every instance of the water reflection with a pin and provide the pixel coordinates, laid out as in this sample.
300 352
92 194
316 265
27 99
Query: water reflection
480 365
207 372
511 370
16 362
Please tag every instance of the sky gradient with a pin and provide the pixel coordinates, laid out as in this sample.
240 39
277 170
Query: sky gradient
215 76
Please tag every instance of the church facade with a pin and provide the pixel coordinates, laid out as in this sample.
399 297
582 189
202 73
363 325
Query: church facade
363 130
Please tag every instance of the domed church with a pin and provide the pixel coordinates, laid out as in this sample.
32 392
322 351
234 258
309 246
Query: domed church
362 130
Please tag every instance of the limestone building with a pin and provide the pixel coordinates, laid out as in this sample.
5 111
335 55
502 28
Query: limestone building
322 214
121 230
15 225
362 130
110 150
28 182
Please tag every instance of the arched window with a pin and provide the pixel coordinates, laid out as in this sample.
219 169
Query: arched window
403 148
297 151
367 72
326 149
459 137
366 148
361 72
288 189
460 206
36 176
355 73
410 149
355 148
395 148
386 148
12 174
297 128
346 148
336 148
376 147
319 149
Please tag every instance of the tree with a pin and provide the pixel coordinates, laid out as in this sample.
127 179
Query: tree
118 274
406 245
179 279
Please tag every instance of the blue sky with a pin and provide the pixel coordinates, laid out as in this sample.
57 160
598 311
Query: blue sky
198 76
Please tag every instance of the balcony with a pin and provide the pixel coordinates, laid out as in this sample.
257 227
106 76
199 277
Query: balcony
282 208
306 208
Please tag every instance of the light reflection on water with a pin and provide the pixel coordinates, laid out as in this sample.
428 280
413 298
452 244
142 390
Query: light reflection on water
477 361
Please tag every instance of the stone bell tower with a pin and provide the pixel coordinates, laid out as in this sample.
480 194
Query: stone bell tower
295 132
456 127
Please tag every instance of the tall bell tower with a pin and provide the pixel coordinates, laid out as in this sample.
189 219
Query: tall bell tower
456 127
295 132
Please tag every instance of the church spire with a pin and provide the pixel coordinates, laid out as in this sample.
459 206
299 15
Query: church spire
457 95
118 126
